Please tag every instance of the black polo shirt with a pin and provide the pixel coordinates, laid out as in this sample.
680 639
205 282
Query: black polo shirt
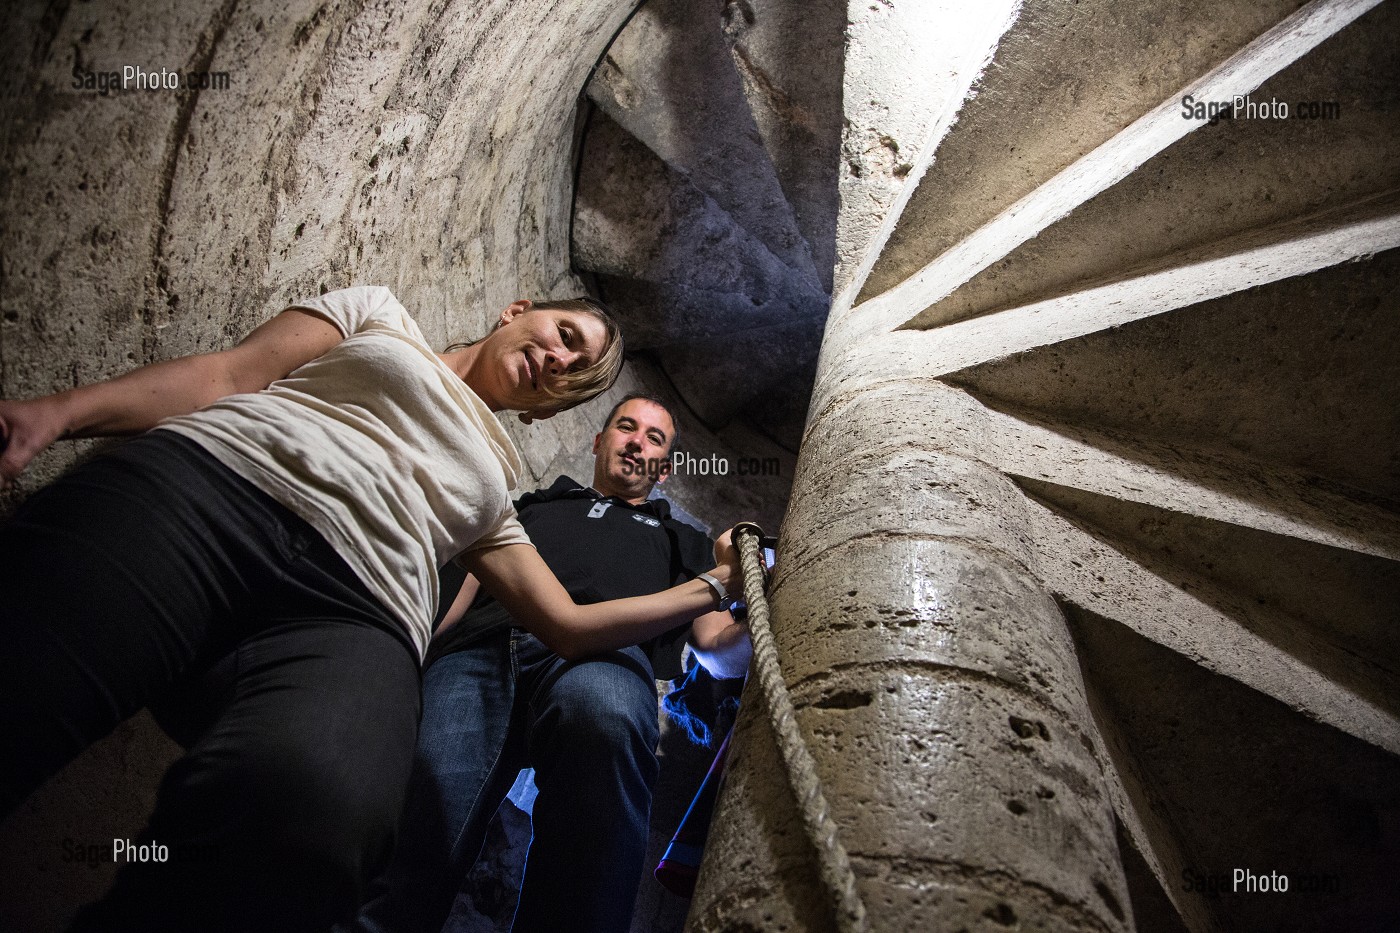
600 548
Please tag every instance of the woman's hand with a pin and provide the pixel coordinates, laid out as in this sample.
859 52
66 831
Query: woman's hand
523 583
26 428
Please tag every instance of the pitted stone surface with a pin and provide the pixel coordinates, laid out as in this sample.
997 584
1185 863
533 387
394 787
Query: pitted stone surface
928 681
935 897
960 774
909 492
905 603
947 758
758 871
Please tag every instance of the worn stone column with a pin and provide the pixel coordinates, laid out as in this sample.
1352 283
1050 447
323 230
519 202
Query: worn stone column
936 683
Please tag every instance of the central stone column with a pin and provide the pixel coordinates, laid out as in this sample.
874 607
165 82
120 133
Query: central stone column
937 686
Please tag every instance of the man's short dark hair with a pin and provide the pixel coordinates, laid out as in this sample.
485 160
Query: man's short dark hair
653 400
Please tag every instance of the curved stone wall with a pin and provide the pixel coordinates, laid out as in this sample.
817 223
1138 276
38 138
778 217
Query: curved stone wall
425 146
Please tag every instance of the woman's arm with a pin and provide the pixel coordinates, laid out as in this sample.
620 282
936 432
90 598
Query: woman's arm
522 582
139 399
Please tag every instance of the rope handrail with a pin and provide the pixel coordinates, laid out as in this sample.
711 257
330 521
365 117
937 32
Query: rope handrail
833 863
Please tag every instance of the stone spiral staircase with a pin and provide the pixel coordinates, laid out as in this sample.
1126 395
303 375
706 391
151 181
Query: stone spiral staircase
706 201
1127 380
1178 341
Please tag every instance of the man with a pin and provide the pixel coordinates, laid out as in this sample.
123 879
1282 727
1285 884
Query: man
495 699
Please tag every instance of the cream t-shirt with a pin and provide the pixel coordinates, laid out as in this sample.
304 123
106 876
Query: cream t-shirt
380 447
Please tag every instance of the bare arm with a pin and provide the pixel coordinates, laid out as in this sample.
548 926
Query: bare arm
721 644
465 596
523 583
139 399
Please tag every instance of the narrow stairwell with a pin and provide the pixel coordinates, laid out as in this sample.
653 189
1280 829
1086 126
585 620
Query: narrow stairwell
706 200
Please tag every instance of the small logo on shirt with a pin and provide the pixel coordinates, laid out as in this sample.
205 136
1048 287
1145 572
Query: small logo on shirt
646 519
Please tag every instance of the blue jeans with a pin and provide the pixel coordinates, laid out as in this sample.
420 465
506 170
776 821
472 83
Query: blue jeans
588 728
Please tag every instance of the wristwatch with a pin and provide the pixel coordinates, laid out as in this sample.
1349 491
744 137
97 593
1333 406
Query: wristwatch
724 600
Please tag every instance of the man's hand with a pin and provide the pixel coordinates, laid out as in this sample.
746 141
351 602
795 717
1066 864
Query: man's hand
727 560
721 644
463 601
26 429
725 549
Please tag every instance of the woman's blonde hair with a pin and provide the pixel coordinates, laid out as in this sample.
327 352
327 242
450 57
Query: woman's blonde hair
578 387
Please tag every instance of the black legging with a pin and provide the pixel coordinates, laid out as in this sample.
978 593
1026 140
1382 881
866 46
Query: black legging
144 566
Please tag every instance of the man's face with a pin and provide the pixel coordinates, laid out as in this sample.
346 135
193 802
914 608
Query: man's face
630 454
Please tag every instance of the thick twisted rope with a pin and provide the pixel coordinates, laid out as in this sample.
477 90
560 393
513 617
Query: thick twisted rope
833 864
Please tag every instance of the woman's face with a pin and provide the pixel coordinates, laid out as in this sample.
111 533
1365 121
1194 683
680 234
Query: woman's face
529 351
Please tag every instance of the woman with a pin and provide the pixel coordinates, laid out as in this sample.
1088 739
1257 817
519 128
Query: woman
291 506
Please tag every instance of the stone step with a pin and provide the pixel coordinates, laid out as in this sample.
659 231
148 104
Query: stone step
1300 372
1331 603
789 57
721 378
1306 668
1222 180
1063 81
1194 479
1251 260
661 314
1203 758
909 71
670 80
637 217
